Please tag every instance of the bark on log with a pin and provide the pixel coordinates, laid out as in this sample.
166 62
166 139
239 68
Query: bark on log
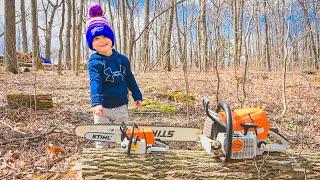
183 164
38 102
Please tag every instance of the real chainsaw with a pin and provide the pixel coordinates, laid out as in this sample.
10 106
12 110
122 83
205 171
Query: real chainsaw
244 133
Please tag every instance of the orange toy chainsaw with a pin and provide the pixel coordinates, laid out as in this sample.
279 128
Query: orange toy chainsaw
243 133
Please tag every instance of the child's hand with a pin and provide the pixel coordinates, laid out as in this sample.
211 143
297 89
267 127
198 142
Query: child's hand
98 110
138 104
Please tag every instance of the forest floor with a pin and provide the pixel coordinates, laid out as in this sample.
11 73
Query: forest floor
27 136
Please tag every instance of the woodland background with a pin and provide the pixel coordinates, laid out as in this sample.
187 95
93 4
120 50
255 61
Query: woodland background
250 53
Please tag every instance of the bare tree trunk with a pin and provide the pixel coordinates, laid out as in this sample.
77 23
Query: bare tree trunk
10 38
23 27
48 35
119 30
203 53
285 59
74 44
168 39
258 40
145 61
236 36
267 36
79 35
124 47
36 62
132 32
68 37
314 48
160 43
111 19
61 39
246 41
182 49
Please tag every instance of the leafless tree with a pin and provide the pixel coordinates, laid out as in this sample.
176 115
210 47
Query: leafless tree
78 38
36 62
285 59
68 36
49 23
145 50
202 37
23 27
10 38
61 39
124 31
167 37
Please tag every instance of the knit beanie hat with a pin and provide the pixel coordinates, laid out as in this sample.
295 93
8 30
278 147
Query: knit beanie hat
97 25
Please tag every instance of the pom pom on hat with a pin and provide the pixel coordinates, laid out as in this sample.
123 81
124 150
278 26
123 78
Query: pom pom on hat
97 25
95 10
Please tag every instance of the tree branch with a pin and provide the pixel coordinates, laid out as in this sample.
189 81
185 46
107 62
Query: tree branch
28 138
154 18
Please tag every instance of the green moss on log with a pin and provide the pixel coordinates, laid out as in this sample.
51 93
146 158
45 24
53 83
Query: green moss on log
38 102
153 105
178 96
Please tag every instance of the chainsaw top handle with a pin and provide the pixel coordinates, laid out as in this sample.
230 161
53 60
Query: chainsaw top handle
213 114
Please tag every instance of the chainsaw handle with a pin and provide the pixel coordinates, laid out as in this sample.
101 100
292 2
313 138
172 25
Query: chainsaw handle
229 130
211 114
130 141
227 127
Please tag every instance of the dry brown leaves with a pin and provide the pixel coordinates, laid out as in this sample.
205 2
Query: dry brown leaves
30 159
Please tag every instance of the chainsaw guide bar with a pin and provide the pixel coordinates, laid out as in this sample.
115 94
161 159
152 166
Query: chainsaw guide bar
164 133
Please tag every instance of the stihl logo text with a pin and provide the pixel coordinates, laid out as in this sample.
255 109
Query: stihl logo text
101 137
163 133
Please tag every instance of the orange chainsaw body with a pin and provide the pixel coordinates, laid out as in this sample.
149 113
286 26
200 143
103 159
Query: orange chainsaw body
142 134
249 115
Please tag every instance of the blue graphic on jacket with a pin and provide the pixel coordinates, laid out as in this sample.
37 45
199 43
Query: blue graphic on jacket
115 76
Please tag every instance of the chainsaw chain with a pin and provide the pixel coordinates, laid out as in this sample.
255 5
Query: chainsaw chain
131 124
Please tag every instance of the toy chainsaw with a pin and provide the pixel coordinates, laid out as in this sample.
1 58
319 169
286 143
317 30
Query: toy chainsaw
244 133
137 139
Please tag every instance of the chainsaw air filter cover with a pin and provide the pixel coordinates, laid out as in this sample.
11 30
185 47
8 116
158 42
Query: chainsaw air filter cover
243 146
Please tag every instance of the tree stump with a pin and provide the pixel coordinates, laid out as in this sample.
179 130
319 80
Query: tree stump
38 102
186 164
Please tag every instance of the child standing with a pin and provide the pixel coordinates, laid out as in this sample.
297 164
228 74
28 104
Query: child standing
110 73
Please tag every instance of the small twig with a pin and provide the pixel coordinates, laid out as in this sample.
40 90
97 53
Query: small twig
259 168
5 116
51 164
145 112
29 138
64 132
52 171
8 125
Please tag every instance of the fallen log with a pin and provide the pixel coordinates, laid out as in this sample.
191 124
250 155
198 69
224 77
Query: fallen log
183 164
37 102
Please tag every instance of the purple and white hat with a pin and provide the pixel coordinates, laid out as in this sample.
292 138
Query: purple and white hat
97 25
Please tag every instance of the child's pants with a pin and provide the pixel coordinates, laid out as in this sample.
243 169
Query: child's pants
111 116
